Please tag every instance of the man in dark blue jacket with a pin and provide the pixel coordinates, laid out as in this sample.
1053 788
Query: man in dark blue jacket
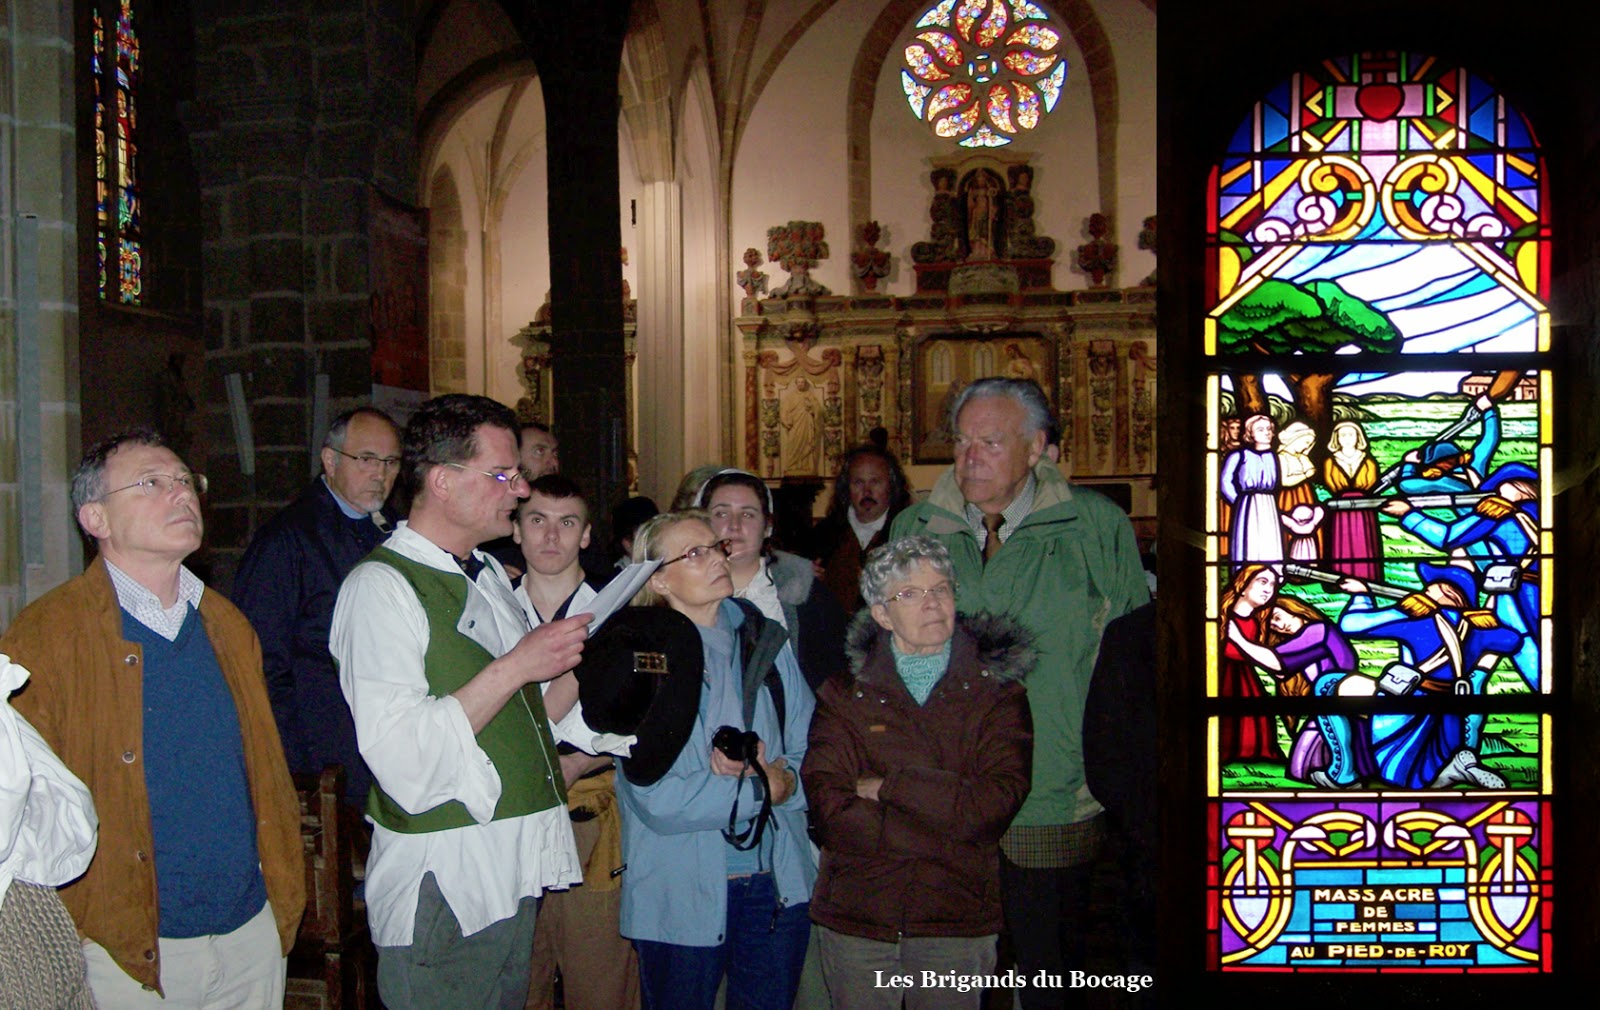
289 578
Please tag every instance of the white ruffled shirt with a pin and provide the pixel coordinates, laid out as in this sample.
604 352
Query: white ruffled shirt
763 592
422 750
865 531
48 827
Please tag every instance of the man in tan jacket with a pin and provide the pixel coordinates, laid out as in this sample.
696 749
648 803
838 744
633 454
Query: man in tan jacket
149 687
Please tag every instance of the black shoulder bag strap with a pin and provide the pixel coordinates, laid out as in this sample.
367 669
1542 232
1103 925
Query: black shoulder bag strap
759 646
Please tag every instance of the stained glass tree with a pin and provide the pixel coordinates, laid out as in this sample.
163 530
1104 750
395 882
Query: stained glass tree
1378 592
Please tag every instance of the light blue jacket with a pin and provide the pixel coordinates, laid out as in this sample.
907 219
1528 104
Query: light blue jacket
675 887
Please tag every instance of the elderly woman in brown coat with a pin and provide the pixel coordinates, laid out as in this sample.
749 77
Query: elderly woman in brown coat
916 765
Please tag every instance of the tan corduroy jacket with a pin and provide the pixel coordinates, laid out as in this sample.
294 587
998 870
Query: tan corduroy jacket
85 698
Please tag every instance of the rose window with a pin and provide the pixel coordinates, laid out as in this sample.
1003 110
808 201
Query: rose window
980 72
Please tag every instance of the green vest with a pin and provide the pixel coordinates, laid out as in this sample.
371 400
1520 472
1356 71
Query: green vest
517 739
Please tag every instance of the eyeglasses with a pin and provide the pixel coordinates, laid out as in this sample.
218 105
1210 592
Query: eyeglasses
367 461
941 593
503 477
699 554
157 484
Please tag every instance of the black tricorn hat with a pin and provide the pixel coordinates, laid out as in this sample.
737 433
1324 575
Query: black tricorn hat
641 675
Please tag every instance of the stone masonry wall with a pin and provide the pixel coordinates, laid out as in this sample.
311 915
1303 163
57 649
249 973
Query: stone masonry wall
302 109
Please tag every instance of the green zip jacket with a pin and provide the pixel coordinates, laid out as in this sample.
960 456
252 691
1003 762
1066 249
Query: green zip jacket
1070 568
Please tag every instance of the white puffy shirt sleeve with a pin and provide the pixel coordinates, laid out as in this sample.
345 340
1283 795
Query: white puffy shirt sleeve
421 749
48 827
572 729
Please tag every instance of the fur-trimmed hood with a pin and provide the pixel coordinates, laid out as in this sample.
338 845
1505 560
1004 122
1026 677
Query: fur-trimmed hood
792 576
1004 647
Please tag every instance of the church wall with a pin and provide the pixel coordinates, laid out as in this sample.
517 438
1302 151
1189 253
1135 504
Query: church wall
790 164
462 152
469 30
303 117
145 362
39 427
631 195
1131 27
524 232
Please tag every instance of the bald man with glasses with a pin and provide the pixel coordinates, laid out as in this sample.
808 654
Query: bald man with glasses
290 576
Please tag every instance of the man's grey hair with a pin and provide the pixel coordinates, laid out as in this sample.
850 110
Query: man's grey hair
897 561
340 428
1024 392
89 480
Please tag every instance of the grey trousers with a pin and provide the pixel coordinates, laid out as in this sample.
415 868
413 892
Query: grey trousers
442 970
859 970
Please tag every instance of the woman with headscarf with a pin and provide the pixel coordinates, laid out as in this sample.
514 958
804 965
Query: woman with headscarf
783 586
1296 494
1355 548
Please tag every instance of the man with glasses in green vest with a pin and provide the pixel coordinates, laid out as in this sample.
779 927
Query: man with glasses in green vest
444 680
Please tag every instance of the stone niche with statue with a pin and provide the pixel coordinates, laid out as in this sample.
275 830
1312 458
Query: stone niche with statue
822 370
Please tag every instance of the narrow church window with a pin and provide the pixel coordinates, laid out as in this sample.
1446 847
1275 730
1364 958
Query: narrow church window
114 59
982 72
1379 600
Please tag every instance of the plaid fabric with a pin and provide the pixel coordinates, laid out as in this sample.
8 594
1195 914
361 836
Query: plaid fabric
146 607
1020 508
1054 846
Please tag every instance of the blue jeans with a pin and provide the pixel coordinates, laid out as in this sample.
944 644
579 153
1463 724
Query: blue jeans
763 950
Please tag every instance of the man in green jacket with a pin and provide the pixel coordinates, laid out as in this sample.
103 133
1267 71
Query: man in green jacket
1062 562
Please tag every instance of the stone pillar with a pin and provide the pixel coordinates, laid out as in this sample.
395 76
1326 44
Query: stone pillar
579 59
661 339
301 112
39 401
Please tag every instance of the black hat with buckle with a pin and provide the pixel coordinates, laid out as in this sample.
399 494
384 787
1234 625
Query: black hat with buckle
640 676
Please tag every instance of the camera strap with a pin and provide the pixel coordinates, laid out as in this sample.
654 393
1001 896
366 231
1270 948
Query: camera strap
750 837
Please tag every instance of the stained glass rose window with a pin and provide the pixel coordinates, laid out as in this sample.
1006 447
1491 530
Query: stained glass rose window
981 72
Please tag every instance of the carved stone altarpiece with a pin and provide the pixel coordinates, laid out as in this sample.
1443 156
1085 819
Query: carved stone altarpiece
821 371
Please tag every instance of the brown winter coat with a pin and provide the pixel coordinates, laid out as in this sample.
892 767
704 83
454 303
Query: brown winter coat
924 859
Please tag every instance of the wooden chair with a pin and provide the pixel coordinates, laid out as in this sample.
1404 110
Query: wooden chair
332 964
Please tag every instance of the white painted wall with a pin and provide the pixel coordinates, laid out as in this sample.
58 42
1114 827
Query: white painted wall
1131 27
790 164
524 240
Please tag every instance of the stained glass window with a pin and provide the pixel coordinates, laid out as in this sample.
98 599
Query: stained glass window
1379 546
983 72
114 59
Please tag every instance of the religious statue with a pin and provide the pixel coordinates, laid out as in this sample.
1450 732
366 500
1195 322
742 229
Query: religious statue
944 245
800 415
1021 241
983 215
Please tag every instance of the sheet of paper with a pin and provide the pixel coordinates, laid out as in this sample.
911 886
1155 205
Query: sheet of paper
617 593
